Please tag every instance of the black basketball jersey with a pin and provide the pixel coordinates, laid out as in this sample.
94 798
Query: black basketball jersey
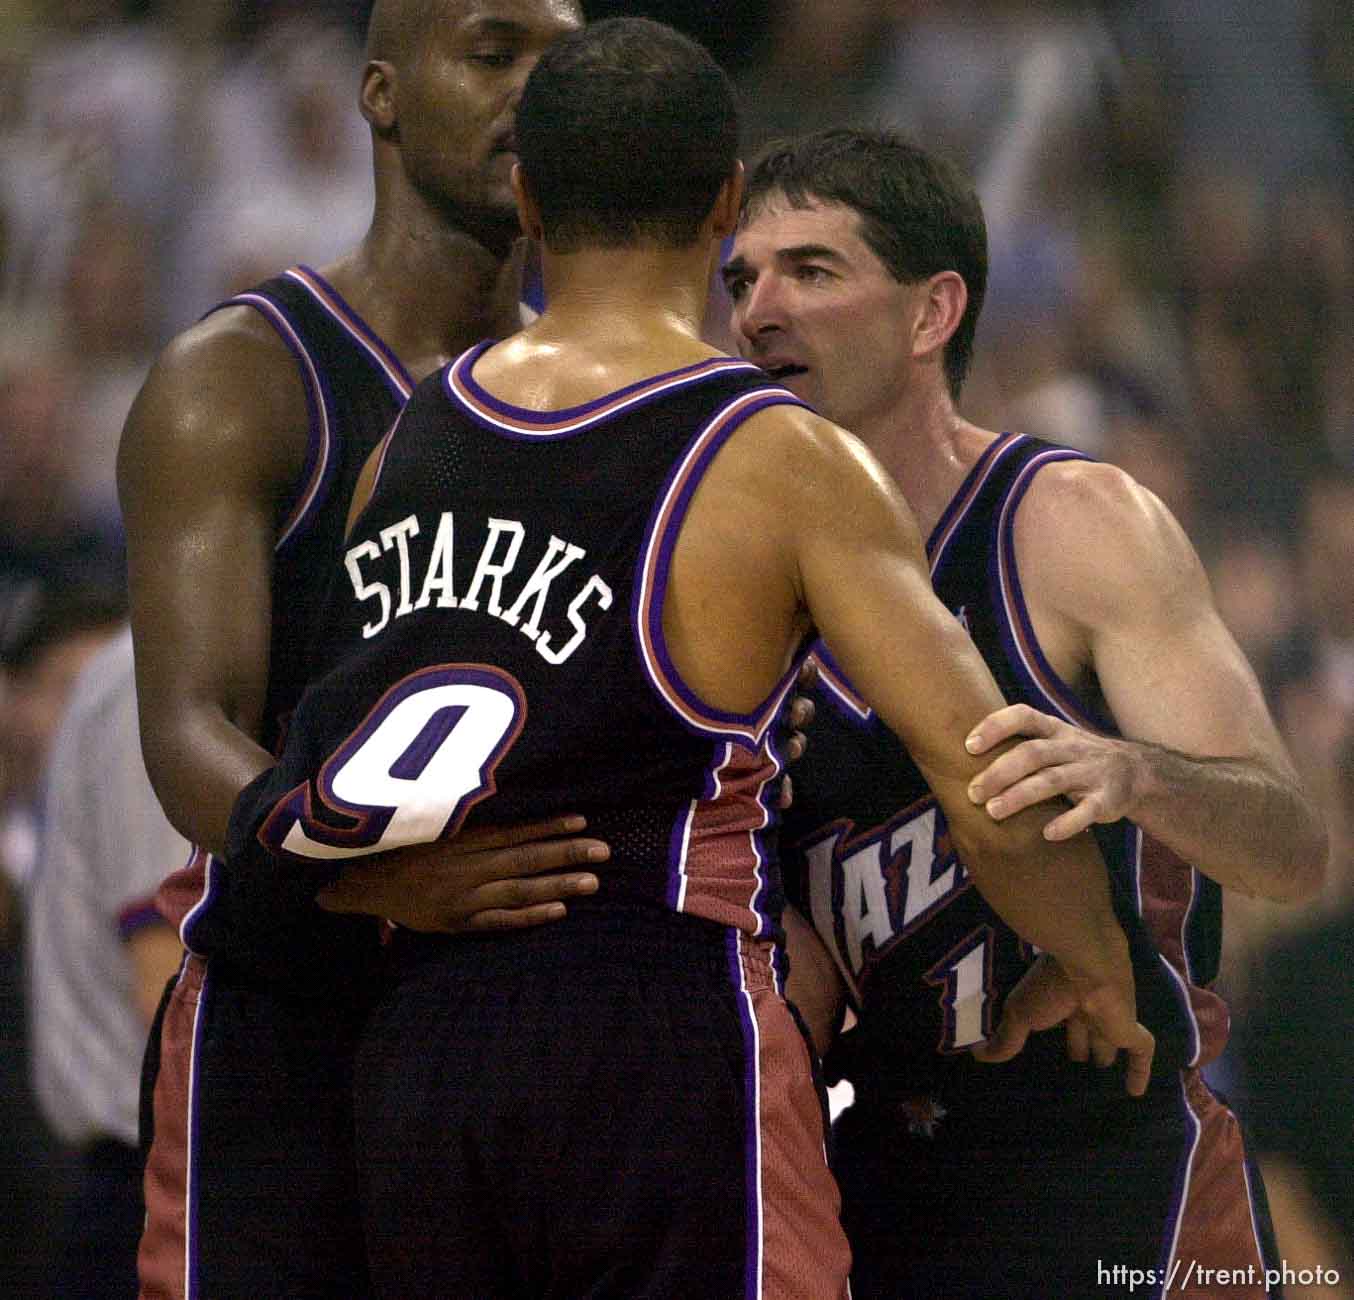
355 387
496 630
869 859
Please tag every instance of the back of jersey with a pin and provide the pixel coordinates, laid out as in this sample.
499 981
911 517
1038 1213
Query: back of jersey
497 631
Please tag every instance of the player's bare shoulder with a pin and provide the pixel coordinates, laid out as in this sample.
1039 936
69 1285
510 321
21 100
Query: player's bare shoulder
818 465
225 393
1088 534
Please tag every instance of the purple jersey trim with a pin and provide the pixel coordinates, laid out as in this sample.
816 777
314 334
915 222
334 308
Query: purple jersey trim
834 680
398 379
764 859
317 473
524 424
1017 631
655 562
192 1282
752 1126
1181 980
952 519
205 900
1180 1193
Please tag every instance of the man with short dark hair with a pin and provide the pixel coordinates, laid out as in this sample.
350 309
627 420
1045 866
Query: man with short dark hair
857 275
581 572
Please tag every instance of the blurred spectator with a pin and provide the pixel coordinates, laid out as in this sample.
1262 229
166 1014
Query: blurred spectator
821 63
1299 1060
1254 583
101 95
1237 81
1310 681
98 958
45 639
283 158
108 309
1316 696
45 532
1331 51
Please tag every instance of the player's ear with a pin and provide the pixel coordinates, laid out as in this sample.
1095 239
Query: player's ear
942 309
728 203
528 212
376 98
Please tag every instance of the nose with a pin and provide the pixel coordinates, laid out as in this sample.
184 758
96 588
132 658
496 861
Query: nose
759 311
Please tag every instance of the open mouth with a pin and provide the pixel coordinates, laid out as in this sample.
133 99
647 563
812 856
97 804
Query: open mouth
785 372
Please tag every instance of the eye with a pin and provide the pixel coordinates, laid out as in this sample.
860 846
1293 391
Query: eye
808 273
736 286
498 56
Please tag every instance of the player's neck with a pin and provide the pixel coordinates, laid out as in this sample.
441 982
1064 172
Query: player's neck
426 288
927 447
626 292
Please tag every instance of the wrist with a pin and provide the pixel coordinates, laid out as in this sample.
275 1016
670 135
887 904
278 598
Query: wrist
1146 780
1104 960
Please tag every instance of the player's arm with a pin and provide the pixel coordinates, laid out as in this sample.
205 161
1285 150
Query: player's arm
1105 566
155 954
212 448
814 985
862 574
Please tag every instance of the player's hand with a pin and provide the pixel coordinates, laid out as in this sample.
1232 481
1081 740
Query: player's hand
492 878
1096 774
1101 1021
799 717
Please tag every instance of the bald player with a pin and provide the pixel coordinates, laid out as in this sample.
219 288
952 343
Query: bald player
236 467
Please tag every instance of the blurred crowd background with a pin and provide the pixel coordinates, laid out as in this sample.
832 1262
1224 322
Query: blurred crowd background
1169 186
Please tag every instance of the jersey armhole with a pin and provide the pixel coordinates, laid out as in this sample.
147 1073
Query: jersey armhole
655 559
317 471
1016 628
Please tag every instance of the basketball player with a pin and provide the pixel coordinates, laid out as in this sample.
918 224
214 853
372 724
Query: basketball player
581 571
857 275
236 468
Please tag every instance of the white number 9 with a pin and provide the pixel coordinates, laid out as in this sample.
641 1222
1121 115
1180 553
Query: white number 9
417 764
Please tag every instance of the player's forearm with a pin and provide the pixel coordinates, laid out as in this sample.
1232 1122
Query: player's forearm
1244 825
198 763
814 984
1055 895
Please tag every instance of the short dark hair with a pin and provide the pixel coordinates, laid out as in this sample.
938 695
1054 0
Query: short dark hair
918 212
626 131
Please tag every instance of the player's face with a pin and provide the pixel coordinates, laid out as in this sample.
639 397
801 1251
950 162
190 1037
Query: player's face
815 307
458 98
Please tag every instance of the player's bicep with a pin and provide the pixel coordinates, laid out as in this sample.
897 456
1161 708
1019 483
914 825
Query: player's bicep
210 457
1189 689
1170 671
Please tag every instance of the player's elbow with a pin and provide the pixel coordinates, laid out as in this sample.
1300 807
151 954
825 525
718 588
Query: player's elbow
1015 840
162 748
1295 875
1305 876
